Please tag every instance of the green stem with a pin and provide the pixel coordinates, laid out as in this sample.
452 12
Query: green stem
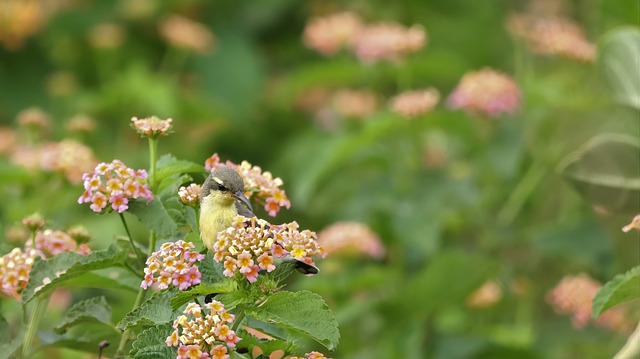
239 319
133 246
36 315
153 151
520 194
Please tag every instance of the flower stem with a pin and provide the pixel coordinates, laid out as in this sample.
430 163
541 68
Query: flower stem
133 246
36 315
153 153
239 319
523 190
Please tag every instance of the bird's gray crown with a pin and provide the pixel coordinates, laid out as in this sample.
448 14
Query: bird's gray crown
225 176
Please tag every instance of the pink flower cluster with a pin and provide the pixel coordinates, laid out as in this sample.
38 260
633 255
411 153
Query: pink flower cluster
173 264
412 104
52 243
552 35
486 92
151 126
574 295
203 333
260 185
251 244
114 183
346 237
370 43
190 195
15 266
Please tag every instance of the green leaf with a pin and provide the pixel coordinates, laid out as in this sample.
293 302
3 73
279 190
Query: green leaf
606 171
233 299
184 297
169 165
303 312
94 309
155 310
621 64
449 278
622 288
9 347
150 344
47 275
155 215
117 279
211 270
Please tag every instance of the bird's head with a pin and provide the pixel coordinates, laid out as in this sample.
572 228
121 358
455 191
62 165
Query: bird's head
226 186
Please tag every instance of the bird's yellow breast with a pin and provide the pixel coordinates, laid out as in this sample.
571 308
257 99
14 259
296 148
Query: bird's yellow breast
216 214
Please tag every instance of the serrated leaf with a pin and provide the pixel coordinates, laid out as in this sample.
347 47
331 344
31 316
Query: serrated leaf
622 288
150 344
303 312
233 299
210 270
448 278
621 64
184 297
47 275
94 309
192 218
605 170
155 215
155 310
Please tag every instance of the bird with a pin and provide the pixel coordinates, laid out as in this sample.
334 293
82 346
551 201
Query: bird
221 200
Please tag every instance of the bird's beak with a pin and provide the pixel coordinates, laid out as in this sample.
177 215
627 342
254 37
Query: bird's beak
240 195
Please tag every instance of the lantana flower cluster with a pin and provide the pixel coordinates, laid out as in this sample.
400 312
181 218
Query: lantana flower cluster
114 183
369 42
251 245
151 126
15 266
261 185
203 332
552 35
173 264
411 104
190 195
486 92
574 295
351 237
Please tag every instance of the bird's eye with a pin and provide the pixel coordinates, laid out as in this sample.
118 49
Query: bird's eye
221 187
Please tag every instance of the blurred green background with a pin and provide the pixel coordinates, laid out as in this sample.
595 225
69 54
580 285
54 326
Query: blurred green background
457 200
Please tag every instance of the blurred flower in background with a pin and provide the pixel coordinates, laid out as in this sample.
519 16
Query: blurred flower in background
488 295
7 140
555 36
70 157
182 32
81 123
412 104
106 35
354 103
574 294
388 41
486 92
635 224
18 20
330 34
34 118
350 238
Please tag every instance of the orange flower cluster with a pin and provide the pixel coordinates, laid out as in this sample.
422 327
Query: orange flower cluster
258 185
312 355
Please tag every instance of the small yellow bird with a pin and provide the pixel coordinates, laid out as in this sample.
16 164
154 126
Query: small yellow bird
222 198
